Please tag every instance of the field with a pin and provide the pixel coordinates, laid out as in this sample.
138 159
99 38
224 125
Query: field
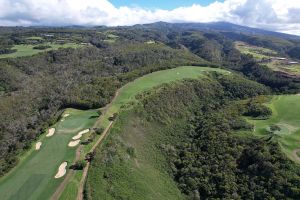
268 57
27 50
127 94
286 116
293 69
33 177
258 53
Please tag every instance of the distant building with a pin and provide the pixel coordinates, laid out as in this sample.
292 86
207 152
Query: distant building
48 35
293 63
279 58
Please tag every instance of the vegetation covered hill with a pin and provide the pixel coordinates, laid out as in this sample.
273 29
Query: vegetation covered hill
171 125
183 142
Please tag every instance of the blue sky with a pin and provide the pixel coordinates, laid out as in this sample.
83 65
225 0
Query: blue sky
162 4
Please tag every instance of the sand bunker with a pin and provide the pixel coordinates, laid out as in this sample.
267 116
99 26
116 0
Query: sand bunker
80 134
50 132
62 120
66 115
38 145
61 170
74 143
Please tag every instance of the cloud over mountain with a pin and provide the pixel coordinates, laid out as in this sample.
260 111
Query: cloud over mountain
277 15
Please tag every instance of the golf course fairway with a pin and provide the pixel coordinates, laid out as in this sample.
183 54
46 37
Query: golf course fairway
127 94
33 178
286 116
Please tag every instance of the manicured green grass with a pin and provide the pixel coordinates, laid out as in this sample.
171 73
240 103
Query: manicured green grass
286 115
71 189
27 50
35 38
33 178
128 93
258 53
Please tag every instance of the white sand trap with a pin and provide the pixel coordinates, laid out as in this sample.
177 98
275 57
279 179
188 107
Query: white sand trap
38 145
73 143
80 134
66 115
62 120
50 132
61 170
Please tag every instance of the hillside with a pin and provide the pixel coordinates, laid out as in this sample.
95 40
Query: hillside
184 142
155 111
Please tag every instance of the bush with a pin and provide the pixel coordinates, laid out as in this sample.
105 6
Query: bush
257 110
99 131
7 51
113 118
79 165
42 47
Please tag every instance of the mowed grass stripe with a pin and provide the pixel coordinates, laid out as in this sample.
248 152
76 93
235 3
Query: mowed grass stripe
129 91
33 178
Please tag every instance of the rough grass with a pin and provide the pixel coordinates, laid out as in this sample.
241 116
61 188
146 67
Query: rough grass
27 50
117 174
128 93
286 114
33 178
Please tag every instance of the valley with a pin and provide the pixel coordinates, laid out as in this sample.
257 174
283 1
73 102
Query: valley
154 111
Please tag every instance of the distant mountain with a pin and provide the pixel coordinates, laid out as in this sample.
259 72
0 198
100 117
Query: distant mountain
219 26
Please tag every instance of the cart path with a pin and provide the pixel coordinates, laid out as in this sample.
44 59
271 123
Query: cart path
85 171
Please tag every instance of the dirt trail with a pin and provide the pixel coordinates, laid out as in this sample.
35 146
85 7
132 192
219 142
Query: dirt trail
295 154
69 175
85 171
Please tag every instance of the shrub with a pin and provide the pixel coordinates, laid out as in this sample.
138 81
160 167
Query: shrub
79 165
42 47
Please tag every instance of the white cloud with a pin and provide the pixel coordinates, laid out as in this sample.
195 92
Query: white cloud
278 15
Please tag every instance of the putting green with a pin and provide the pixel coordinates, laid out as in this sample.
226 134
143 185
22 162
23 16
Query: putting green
286 115
33 178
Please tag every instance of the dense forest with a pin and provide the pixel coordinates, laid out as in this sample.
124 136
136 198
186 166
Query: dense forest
88 77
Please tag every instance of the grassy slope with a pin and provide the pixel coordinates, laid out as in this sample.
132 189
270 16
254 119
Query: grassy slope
286 114
33 177
127 94
27 50
140 177
130 176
